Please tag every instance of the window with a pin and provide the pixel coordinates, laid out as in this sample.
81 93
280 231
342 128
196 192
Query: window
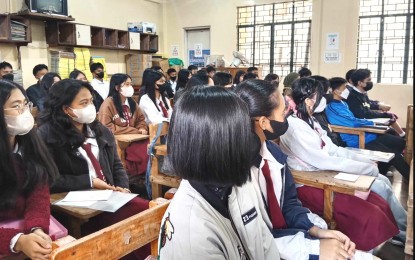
276 36
385 40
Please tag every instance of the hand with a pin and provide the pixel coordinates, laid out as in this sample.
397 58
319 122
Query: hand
384 107
349 246
120 189
142 131
333 249
43 235
34 246
97 183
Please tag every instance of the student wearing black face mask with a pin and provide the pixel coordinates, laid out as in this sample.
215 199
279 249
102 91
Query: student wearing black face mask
297 232
154 103
359 103
172 75
6 71
98 83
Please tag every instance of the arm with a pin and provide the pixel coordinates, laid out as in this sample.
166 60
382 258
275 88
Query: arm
105 116
37 211
297 247
140 120
118 172
150 110
339 114
360 111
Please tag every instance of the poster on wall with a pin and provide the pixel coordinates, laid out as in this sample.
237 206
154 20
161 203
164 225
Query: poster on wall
197 61
198 50
332 41
175 51
332 57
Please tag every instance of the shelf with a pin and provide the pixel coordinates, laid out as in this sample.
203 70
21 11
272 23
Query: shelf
144 41
6 35
122 40
67 34
45 17
110 37
97 36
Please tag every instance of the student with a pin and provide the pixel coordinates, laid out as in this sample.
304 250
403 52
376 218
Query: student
172 78
359 102
79 75
298 233
273 78
144 83
192 69
252 70
211 71
310 149
154 103
84 150
169 89
182 79
25 171
338 113
6 71
223 79
98 83
250 75
215 213
286 92
239 77
201 78
48 80
304 72
34 92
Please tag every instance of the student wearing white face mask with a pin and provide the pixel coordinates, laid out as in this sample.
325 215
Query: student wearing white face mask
84 150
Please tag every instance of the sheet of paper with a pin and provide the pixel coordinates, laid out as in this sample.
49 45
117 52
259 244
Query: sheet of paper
81 204
346 177
382 121
116 201
373 155
93 195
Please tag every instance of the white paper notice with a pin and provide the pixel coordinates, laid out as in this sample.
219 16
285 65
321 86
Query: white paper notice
332 41
198 50
175 50
116 201
332 57
93 195
346 176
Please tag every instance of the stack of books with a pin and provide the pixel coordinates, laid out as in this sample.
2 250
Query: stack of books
62 62
18 31
82 60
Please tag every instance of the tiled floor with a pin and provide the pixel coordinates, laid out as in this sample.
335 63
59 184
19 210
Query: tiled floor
388 251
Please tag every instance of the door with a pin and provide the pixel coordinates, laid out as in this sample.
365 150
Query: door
197 45
83 34
134 40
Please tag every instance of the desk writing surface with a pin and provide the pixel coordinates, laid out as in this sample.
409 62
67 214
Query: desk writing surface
355 130
363 183
128 138
81 213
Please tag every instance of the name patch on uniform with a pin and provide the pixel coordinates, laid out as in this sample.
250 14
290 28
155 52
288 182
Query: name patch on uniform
249 216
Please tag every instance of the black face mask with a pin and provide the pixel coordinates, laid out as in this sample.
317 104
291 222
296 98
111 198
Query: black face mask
173 78
278 128
162 87
100 75
369 86
9 76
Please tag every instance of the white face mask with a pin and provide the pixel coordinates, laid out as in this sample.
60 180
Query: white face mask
85 115
320 108
127 91
21 124
345 93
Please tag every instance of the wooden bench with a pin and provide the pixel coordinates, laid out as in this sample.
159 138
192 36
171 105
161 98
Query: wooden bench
409 147
117 240
325 180
360 131
157 178
123 141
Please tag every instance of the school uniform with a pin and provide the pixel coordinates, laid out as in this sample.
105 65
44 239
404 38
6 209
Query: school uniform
34 93
101 87
362 107
155 113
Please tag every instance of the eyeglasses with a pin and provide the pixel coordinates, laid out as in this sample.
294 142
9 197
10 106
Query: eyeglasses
22 107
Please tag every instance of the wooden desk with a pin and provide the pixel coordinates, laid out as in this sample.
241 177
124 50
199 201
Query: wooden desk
123 141
360 131
77 216
325 180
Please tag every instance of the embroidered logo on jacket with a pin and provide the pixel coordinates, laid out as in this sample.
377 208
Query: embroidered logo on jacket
167 231
249 216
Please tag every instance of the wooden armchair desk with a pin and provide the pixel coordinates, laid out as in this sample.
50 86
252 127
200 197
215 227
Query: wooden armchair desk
123 141
325 180
360 131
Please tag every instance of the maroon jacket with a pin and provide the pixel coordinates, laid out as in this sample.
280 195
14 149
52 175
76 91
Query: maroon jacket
33 208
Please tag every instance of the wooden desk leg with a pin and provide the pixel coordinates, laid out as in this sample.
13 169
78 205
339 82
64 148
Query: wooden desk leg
328 208
76 227
154 248
156 190
362 140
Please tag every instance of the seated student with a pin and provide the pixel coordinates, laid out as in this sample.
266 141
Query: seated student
121 114
273 78
215 213
48 80
250 75
6 71
98 83
34 92
222 79
310 149
192 69
172 78
286 92
338 113
239 77
144 84
200 78
154 103
84 150
210 71
253 70
295 229
359 102
169 89
79 75
304 72
182 79
25 171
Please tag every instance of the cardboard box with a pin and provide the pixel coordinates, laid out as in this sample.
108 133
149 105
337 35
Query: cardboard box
137 81
163 63
138 58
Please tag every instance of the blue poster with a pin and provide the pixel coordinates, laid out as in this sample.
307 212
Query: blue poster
199 62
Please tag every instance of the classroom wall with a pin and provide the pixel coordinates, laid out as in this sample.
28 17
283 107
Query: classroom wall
104 13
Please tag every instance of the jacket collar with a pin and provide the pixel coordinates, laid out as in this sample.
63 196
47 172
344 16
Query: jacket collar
275 151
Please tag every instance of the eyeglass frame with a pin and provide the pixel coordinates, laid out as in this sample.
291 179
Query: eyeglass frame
22 107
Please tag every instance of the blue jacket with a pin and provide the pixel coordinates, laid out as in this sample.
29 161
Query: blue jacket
338 113
295 214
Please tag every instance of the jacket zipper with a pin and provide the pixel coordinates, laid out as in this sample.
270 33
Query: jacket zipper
283 186
245 254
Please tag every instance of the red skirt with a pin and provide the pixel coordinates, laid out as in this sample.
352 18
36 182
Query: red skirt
368 223
136 157
106 219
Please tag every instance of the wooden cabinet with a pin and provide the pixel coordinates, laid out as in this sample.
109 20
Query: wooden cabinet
134 41
83 34
123 40
15 29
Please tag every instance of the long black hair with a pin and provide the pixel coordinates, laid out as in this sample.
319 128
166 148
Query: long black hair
182 78
152 77
40 169
238 74
302 89
62 94
47 81
116 81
